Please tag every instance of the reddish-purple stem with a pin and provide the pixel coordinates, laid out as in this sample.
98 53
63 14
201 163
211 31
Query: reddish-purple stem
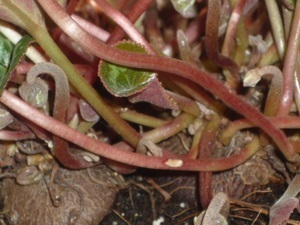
60 129
61 149
135 12
281 122
70 8
212 40
98 32
123 22
232 26
290 62
15 135
205 152
174 66
198 94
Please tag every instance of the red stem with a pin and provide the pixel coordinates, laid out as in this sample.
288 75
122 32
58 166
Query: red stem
61 148
212 40
98 32
135 12
70 8
290 62
281 122
111 152
232 26
123 22
205 152
184 69
15 135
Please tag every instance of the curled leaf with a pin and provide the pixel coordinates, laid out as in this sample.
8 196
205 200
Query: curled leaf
29 175
35 94
5 118
87 112
123 81
276 88
30 147
60 108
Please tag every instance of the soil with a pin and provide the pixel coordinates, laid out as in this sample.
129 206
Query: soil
144 197
79 197
252 187
140 203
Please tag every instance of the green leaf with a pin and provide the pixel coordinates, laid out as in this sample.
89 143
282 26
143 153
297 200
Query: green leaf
10 57
122 81
19 50
6 48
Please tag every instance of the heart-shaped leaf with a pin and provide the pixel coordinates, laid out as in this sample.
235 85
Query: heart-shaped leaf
123 81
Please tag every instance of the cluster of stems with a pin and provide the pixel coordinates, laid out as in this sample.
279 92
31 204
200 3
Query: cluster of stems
190 84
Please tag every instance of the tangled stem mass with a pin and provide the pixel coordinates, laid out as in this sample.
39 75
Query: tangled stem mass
196 90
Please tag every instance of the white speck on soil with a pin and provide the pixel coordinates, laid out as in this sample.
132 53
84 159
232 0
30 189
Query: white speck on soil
158 221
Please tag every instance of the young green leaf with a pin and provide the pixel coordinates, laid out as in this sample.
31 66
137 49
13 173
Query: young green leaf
122 81
18 52
10 57
6 48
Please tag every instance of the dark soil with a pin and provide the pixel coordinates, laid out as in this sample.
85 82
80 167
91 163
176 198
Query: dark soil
140 203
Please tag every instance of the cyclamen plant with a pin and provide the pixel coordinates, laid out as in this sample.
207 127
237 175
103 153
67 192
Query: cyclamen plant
200 85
